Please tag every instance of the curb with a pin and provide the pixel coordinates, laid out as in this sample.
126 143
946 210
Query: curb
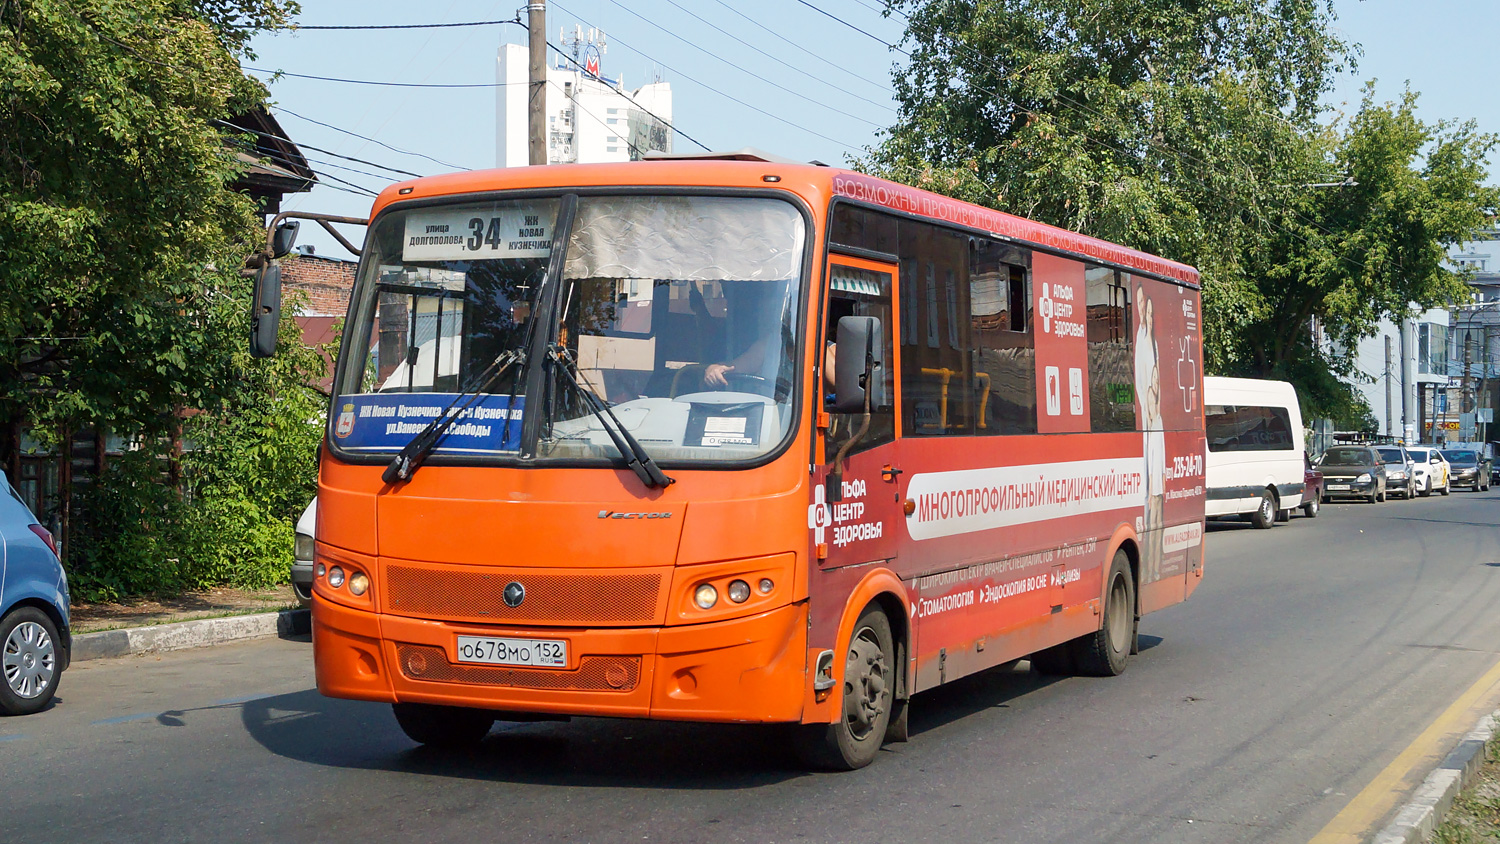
189 634
1421 815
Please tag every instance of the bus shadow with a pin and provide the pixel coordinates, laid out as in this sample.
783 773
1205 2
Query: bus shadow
992 688
586 752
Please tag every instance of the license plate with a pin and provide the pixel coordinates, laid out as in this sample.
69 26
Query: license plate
538 653
1338 486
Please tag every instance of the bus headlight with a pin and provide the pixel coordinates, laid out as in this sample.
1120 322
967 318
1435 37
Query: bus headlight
358 583
705 596
335 577
766 586
739 591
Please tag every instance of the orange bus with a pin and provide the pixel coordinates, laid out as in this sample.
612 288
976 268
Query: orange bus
736 439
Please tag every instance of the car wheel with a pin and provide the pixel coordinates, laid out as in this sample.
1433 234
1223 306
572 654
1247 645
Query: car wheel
869 685
1283 515
1447 487
451 727
1264 515
1426 489
1310 508
29 664
1104 653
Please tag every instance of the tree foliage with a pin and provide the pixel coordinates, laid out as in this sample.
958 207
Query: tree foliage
121 302
1195 131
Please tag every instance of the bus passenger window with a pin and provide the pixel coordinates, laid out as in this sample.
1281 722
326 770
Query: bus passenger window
1111 351
1004 347
937 391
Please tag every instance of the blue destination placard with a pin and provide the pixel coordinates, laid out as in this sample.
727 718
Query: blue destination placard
385 422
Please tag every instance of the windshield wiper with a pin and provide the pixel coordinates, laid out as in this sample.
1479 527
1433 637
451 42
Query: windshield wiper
412 455
637 459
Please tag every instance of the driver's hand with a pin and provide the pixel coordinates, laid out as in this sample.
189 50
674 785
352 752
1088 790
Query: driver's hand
713 375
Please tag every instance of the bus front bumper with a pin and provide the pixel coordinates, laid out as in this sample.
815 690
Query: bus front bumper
744 669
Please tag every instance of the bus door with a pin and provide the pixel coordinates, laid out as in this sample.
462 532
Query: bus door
859 482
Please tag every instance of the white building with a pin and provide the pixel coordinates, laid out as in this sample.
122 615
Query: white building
590 118
1397 370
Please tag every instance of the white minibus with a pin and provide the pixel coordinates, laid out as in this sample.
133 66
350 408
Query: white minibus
1255 459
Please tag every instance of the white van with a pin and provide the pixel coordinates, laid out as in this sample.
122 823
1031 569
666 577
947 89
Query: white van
1255 450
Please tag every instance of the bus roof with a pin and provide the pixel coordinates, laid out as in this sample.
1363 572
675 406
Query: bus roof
808 179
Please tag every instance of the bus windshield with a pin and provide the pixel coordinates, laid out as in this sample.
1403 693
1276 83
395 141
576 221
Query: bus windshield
679 312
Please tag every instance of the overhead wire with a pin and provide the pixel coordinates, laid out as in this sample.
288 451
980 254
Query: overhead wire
229 125
726 33
1076 106
847 146
632 100
285 110
299 27
384 84
580 106
1085 136
813 54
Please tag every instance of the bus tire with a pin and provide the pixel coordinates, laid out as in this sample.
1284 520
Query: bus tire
1265 514
1105 653
852 741
449 727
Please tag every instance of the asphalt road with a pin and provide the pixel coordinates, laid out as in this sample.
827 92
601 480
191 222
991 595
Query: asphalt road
1310 657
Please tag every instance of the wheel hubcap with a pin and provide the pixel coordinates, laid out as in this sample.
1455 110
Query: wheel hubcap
1119 615
866 683
29 660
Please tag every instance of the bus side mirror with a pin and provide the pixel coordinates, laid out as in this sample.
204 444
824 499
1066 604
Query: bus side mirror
285 238
858 365
266 317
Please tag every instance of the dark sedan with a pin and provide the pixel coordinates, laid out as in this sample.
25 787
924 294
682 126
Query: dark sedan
1470 468
1352 471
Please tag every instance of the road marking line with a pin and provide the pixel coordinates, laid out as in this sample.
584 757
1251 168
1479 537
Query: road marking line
1357 821
14 737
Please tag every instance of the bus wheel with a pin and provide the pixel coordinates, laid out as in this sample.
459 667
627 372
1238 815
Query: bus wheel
1103 654
1264 515
869 683
443 726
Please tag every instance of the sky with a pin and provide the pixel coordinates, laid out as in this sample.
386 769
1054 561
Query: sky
786 76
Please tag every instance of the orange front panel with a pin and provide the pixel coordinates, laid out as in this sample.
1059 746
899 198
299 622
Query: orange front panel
616 598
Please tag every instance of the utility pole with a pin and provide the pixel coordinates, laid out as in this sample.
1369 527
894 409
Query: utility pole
1388 384
1467 398
536 108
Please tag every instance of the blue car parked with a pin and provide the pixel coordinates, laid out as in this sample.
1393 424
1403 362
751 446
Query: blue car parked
34 638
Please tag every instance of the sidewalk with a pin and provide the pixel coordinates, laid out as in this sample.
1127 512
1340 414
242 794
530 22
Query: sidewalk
148 612
193 620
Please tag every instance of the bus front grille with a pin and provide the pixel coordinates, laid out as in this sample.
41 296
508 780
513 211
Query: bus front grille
594 673
472 593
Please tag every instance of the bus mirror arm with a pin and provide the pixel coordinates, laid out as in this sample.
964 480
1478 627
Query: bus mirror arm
857 388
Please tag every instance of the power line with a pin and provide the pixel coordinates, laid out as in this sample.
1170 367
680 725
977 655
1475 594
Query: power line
266 154
776 59
284 110
788 41
777 118
385 84
316 149
632 100
1181 157
579 105
299 27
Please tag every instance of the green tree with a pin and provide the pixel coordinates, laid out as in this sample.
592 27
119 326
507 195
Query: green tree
1193 131
121 302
